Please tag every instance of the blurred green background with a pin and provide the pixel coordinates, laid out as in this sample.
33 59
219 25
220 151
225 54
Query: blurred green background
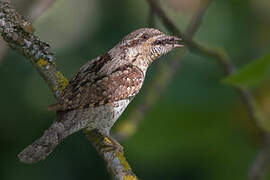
198 130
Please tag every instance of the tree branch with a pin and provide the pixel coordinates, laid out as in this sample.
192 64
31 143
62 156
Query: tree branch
113 157
197 19
19 35
33 11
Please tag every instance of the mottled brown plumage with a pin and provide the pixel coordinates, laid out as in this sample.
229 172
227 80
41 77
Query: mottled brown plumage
102 89
122 83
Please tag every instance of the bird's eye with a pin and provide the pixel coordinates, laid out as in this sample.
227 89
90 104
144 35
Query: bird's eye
158 42
145 36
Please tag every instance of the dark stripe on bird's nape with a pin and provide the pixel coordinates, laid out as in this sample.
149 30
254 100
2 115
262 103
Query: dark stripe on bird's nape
99 64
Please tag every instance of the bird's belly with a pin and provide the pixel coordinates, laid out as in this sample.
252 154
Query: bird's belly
104 117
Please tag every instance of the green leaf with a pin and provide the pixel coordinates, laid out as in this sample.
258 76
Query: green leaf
251 74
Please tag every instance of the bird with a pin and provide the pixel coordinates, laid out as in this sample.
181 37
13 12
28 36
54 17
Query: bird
102 89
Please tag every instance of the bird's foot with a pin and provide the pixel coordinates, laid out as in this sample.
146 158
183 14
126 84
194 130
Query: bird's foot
112 149
107 145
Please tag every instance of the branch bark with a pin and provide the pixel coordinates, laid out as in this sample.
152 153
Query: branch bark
19 35
113 157
33 11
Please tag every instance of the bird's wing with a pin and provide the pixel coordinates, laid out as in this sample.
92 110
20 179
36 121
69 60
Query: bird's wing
89 89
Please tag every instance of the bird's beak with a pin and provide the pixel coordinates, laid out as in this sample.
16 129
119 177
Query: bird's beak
176 41
170 40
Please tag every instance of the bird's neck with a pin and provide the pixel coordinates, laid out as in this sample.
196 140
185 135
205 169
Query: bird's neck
142 62
132 56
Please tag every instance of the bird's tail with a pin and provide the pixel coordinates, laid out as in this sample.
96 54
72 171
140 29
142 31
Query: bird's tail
43 146
67 123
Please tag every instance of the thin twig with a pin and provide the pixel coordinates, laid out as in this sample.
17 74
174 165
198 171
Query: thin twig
193 46
260 166
219 54
197 18
19 35
226 64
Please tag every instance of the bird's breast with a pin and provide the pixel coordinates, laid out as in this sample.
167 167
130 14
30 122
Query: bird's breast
104 117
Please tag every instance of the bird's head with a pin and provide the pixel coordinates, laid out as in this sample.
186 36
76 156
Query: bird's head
141 47
148 44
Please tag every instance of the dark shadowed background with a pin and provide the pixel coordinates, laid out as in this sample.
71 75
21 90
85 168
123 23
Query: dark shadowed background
198 130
